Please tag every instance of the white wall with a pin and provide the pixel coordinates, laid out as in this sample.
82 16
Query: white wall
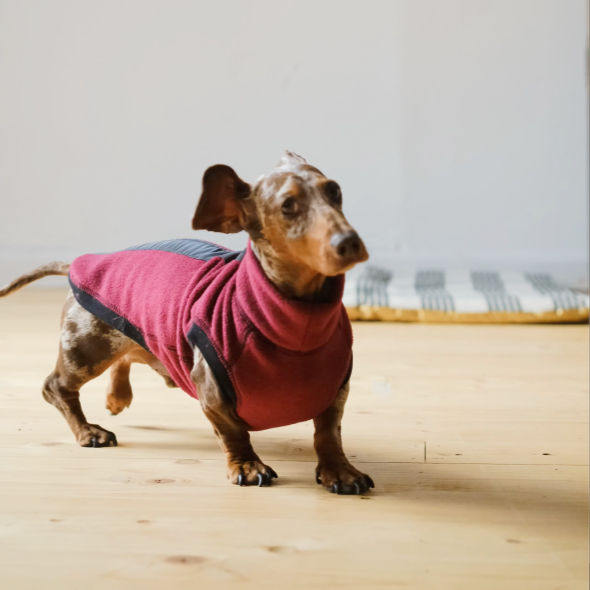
495 134
457 128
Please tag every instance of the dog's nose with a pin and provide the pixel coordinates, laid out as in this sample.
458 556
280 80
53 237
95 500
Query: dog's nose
347 245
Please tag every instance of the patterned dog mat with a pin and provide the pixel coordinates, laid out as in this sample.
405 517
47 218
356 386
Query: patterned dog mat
461 296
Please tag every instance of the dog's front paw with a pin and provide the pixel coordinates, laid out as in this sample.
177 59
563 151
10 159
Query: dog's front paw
342 478
93 435
251 473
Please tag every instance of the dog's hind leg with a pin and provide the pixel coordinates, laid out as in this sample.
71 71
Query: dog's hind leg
119 393
88 347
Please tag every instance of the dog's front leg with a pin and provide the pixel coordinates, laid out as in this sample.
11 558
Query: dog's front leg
334 470
244 466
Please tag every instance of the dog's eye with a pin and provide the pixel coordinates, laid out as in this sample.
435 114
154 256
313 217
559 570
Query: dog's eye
333 193
289 206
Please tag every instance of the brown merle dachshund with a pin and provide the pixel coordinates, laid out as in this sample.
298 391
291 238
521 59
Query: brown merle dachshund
298 231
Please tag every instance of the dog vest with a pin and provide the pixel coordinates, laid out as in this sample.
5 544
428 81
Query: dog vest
279 360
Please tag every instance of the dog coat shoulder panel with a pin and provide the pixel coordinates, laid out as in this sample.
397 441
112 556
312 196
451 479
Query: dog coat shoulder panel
195 249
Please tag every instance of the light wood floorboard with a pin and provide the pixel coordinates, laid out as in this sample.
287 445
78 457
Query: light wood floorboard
476 436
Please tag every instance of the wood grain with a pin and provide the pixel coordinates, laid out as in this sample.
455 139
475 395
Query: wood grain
452 422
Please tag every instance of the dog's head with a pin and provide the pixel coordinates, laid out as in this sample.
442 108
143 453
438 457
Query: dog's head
293 215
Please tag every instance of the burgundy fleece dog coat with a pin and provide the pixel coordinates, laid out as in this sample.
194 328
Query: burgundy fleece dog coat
281 361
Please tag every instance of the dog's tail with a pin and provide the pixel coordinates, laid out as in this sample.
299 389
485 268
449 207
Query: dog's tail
47 270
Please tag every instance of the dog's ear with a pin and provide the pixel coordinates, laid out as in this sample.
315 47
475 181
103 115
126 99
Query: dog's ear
219 208
291 159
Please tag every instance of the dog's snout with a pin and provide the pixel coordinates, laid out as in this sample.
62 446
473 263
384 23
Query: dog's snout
347 245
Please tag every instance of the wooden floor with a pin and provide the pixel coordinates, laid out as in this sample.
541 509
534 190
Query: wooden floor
476 436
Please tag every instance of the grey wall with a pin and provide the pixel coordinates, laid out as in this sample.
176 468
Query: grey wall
457 128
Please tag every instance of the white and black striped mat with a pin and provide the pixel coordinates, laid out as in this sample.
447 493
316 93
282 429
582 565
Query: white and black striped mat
459 291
